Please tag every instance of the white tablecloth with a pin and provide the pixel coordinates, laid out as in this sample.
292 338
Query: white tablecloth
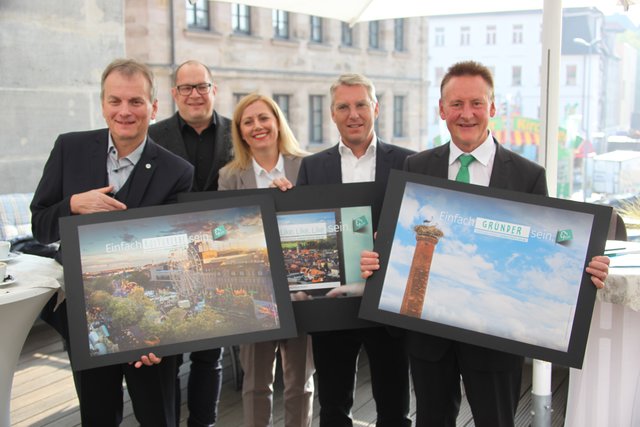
36 280
606 392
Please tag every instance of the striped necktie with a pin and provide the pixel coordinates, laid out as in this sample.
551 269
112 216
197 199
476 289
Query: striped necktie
463 173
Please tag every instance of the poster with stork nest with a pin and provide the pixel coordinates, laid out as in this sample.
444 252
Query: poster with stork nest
486 266
173 279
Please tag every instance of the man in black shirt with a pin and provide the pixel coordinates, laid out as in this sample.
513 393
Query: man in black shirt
196 132
203 137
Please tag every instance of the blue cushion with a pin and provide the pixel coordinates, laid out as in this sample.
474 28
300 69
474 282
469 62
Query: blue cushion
15 216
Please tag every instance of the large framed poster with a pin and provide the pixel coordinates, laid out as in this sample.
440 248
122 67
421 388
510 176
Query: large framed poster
172 279
489 267
322 229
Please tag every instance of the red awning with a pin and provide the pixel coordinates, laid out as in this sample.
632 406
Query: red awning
585 149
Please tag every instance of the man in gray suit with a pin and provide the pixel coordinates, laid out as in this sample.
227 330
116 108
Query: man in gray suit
203 137
359 156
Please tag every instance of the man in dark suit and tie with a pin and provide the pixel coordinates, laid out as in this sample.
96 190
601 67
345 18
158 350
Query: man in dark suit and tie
198 134
491 378
107 170
359 156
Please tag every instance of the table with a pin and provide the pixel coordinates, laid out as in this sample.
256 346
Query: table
606 392
37 279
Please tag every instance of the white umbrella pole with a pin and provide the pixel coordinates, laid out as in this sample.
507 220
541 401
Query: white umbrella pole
549 99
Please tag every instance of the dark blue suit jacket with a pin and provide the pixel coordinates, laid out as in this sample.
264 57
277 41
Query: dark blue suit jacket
77 163
325 167
512 172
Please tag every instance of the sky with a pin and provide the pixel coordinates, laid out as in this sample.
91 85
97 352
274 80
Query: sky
492 284
110 245
609 7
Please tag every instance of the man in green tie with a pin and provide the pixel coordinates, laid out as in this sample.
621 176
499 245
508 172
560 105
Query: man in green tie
463 174
491 378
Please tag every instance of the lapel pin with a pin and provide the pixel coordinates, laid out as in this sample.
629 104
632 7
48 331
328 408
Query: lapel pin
148 166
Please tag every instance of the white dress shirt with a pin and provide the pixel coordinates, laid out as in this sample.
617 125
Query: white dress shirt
119 168
265 178
355 169
480 169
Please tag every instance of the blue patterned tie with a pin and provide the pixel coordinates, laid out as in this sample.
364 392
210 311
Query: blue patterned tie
463 173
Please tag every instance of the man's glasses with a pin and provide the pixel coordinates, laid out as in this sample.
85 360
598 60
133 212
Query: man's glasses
202 88
361 107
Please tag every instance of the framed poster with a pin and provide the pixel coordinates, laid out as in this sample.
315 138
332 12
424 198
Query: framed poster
489 267
172 279
322 230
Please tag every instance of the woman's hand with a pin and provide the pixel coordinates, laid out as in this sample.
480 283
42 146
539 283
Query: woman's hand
282 183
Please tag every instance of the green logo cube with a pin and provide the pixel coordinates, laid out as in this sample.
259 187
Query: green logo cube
359 223
218 232
564 236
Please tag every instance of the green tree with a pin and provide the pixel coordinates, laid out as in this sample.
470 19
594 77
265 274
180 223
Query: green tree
125 312
102 283
100 299
140 277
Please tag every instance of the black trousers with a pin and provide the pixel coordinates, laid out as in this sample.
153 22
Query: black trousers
336 359
203 387
493 394
152 388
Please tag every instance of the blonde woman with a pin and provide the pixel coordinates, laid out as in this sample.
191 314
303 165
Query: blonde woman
266 155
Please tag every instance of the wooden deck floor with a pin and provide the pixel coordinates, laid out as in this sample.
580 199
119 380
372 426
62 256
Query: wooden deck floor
43 392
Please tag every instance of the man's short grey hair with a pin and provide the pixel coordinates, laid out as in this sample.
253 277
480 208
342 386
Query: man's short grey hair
129 68
354 80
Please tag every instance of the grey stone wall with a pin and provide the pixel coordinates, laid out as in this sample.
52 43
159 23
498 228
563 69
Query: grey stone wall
51 57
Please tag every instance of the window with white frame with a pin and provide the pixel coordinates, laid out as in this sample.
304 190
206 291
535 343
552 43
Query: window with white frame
439 36
516 75
374 35
398 35
517 34
316 29
280 23
491 34
346 39
241 18
283 101
398 115
197 14
315 119
465 36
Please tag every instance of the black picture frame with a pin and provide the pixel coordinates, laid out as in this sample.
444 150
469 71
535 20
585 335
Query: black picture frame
318 314
154 279
478 278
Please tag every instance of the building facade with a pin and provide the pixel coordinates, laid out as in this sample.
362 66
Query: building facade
51 59
593 78
292 57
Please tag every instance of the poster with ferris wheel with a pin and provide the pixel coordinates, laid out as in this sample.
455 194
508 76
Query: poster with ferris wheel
173 279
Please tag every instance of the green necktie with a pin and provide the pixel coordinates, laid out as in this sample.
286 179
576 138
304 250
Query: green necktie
463 173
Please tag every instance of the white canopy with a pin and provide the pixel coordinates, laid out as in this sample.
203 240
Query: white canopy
353 11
